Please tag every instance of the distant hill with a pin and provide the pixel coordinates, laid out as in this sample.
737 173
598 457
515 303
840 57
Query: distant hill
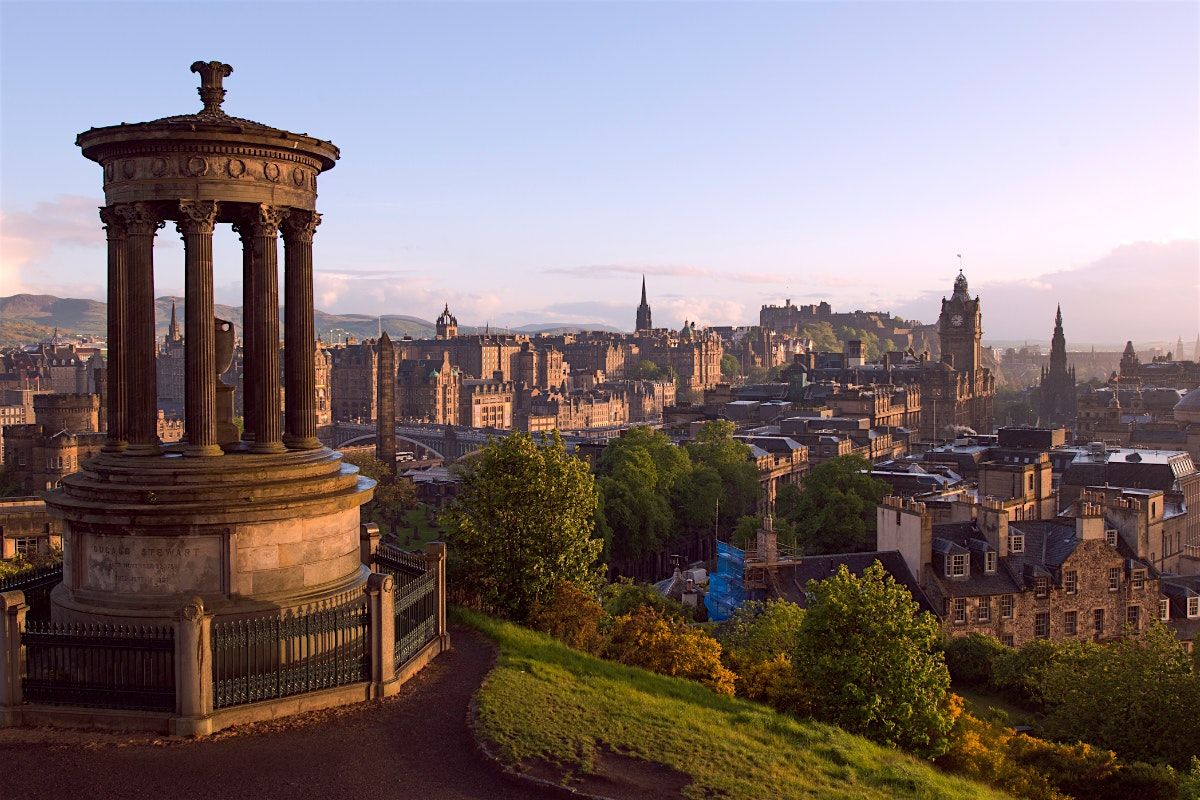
26 318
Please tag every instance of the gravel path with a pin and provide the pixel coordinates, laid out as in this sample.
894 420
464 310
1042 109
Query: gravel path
415 745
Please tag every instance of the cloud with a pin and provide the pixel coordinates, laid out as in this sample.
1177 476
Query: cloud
1145 291
30 239
666 270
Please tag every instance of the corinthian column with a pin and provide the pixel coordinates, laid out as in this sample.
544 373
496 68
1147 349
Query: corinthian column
114 226
196 221
261 378
299 338
142 222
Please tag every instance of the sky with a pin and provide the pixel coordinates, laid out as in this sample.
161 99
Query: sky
530 162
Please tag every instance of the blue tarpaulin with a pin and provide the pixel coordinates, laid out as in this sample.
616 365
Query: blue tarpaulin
726 586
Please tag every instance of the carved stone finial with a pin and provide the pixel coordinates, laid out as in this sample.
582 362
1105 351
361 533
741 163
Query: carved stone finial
211 92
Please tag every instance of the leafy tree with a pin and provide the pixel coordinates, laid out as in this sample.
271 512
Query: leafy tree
834 509
521 524
571 615
637 472
1020 674
761 631
394 496
1139 696
623 596
870 662
715 448
970 658
645 638
730 366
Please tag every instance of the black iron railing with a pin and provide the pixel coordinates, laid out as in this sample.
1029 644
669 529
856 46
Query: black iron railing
37 585
416 616
100 666
263 658
404 567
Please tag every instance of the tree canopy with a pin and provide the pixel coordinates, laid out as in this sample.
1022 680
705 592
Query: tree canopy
833 510
521 524
870 663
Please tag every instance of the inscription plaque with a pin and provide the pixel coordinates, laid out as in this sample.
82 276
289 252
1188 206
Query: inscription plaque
158 565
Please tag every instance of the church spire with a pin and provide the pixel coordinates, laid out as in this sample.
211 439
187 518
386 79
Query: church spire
644 322
173 330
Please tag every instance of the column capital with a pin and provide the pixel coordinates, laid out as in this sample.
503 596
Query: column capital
114 223
264 220
141 219
300 225
197 216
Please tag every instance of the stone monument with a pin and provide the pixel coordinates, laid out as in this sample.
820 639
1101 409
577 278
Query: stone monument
266 521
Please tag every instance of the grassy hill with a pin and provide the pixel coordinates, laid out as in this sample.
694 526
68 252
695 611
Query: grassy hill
29 318
560 714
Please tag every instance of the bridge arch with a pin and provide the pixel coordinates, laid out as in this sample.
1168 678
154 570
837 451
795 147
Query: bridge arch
370 439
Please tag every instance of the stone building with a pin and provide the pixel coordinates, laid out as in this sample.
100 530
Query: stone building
1170 370
27 529
486 403
169 368
1061 579
66 434
352 376
446 324
1056 390
428 390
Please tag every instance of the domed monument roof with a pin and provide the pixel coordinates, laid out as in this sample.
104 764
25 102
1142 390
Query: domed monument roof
1188 409
210 153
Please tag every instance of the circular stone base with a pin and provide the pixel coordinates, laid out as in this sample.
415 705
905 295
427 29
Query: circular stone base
246 533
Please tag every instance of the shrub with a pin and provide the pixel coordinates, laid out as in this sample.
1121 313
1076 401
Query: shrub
1021 674
624 596
572 616
774 682
970 658
645 638
980 750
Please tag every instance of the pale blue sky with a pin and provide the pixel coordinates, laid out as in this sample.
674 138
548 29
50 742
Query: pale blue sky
527 162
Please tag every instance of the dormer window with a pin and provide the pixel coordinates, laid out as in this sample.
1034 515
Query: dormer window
1139 578
1193 607
989 561
1041 586
1164 610
956 565
1016 543
1110 537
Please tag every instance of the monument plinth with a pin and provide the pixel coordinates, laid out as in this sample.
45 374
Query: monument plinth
270 519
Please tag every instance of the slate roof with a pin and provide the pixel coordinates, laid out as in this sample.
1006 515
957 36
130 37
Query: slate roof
788 580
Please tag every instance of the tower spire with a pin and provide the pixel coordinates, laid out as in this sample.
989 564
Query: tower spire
644 322
173 330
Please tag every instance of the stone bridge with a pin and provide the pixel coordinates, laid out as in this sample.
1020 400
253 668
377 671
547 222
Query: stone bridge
448 442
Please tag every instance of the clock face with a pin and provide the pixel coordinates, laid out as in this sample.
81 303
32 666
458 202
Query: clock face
956 320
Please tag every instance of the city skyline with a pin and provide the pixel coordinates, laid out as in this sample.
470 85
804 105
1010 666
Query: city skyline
845 153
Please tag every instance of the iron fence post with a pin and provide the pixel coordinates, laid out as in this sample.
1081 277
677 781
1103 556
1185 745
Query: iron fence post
12 656
435 558
193 671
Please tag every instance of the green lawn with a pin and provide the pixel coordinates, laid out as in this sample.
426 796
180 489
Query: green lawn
416 532
545 701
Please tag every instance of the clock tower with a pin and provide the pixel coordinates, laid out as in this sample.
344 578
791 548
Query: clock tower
960 328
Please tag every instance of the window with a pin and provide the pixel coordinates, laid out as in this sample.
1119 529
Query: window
1071 623
1006 606
1110 537
989 561
1193 607
1016 543
1114 578
1041 586
960 610
984 612
1041 625
26 545
1133 617
1164 610
1139 578
1071 581
1007 640
956 566
1098 622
